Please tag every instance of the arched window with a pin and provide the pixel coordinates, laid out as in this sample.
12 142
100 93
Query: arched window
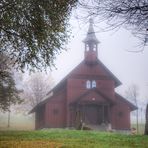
88 84
94 47
93 84
87 47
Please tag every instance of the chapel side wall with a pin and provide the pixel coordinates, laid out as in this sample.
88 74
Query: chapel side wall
56 110
40 117
120 116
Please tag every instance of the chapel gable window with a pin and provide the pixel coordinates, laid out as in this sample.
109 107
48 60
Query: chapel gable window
87 48
93 84
88 84
55 111
120 114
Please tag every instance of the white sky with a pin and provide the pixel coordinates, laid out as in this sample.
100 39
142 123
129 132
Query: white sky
128 67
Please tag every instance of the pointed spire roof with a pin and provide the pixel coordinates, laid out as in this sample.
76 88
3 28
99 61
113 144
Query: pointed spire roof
91 37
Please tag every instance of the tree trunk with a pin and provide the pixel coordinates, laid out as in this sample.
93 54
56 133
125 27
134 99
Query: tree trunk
8 119
137 121
146 123
9 111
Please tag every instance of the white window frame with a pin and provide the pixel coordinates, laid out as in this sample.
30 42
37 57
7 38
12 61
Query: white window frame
93 84
88 84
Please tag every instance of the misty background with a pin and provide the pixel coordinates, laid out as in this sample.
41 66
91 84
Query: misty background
115 53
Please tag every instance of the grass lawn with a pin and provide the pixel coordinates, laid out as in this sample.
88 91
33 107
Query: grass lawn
58 138
141 128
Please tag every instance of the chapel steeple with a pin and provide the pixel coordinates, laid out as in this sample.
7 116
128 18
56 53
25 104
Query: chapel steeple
91 44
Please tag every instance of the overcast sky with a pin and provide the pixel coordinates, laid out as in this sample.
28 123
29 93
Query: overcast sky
128 67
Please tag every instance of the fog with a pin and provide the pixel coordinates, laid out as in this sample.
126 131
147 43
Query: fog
128 67
113 51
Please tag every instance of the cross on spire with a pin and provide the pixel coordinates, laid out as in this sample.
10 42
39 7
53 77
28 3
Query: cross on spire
91 21
91 37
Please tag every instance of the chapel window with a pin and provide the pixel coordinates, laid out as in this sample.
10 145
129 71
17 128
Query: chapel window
94 47
120 114
93 84
88 84
87 48
55 111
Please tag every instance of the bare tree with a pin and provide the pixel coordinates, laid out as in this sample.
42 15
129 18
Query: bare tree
146 123
35 88
132 14
132 94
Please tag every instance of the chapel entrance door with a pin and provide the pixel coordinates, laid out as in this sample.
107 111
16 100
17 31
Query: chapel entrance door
91 114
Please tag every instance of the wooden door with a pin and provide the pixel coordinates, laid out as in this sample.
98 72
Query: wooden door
91 114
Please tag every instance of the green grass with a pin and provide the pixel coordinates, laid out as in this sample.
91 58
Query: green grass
58 138
141 128
17 122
